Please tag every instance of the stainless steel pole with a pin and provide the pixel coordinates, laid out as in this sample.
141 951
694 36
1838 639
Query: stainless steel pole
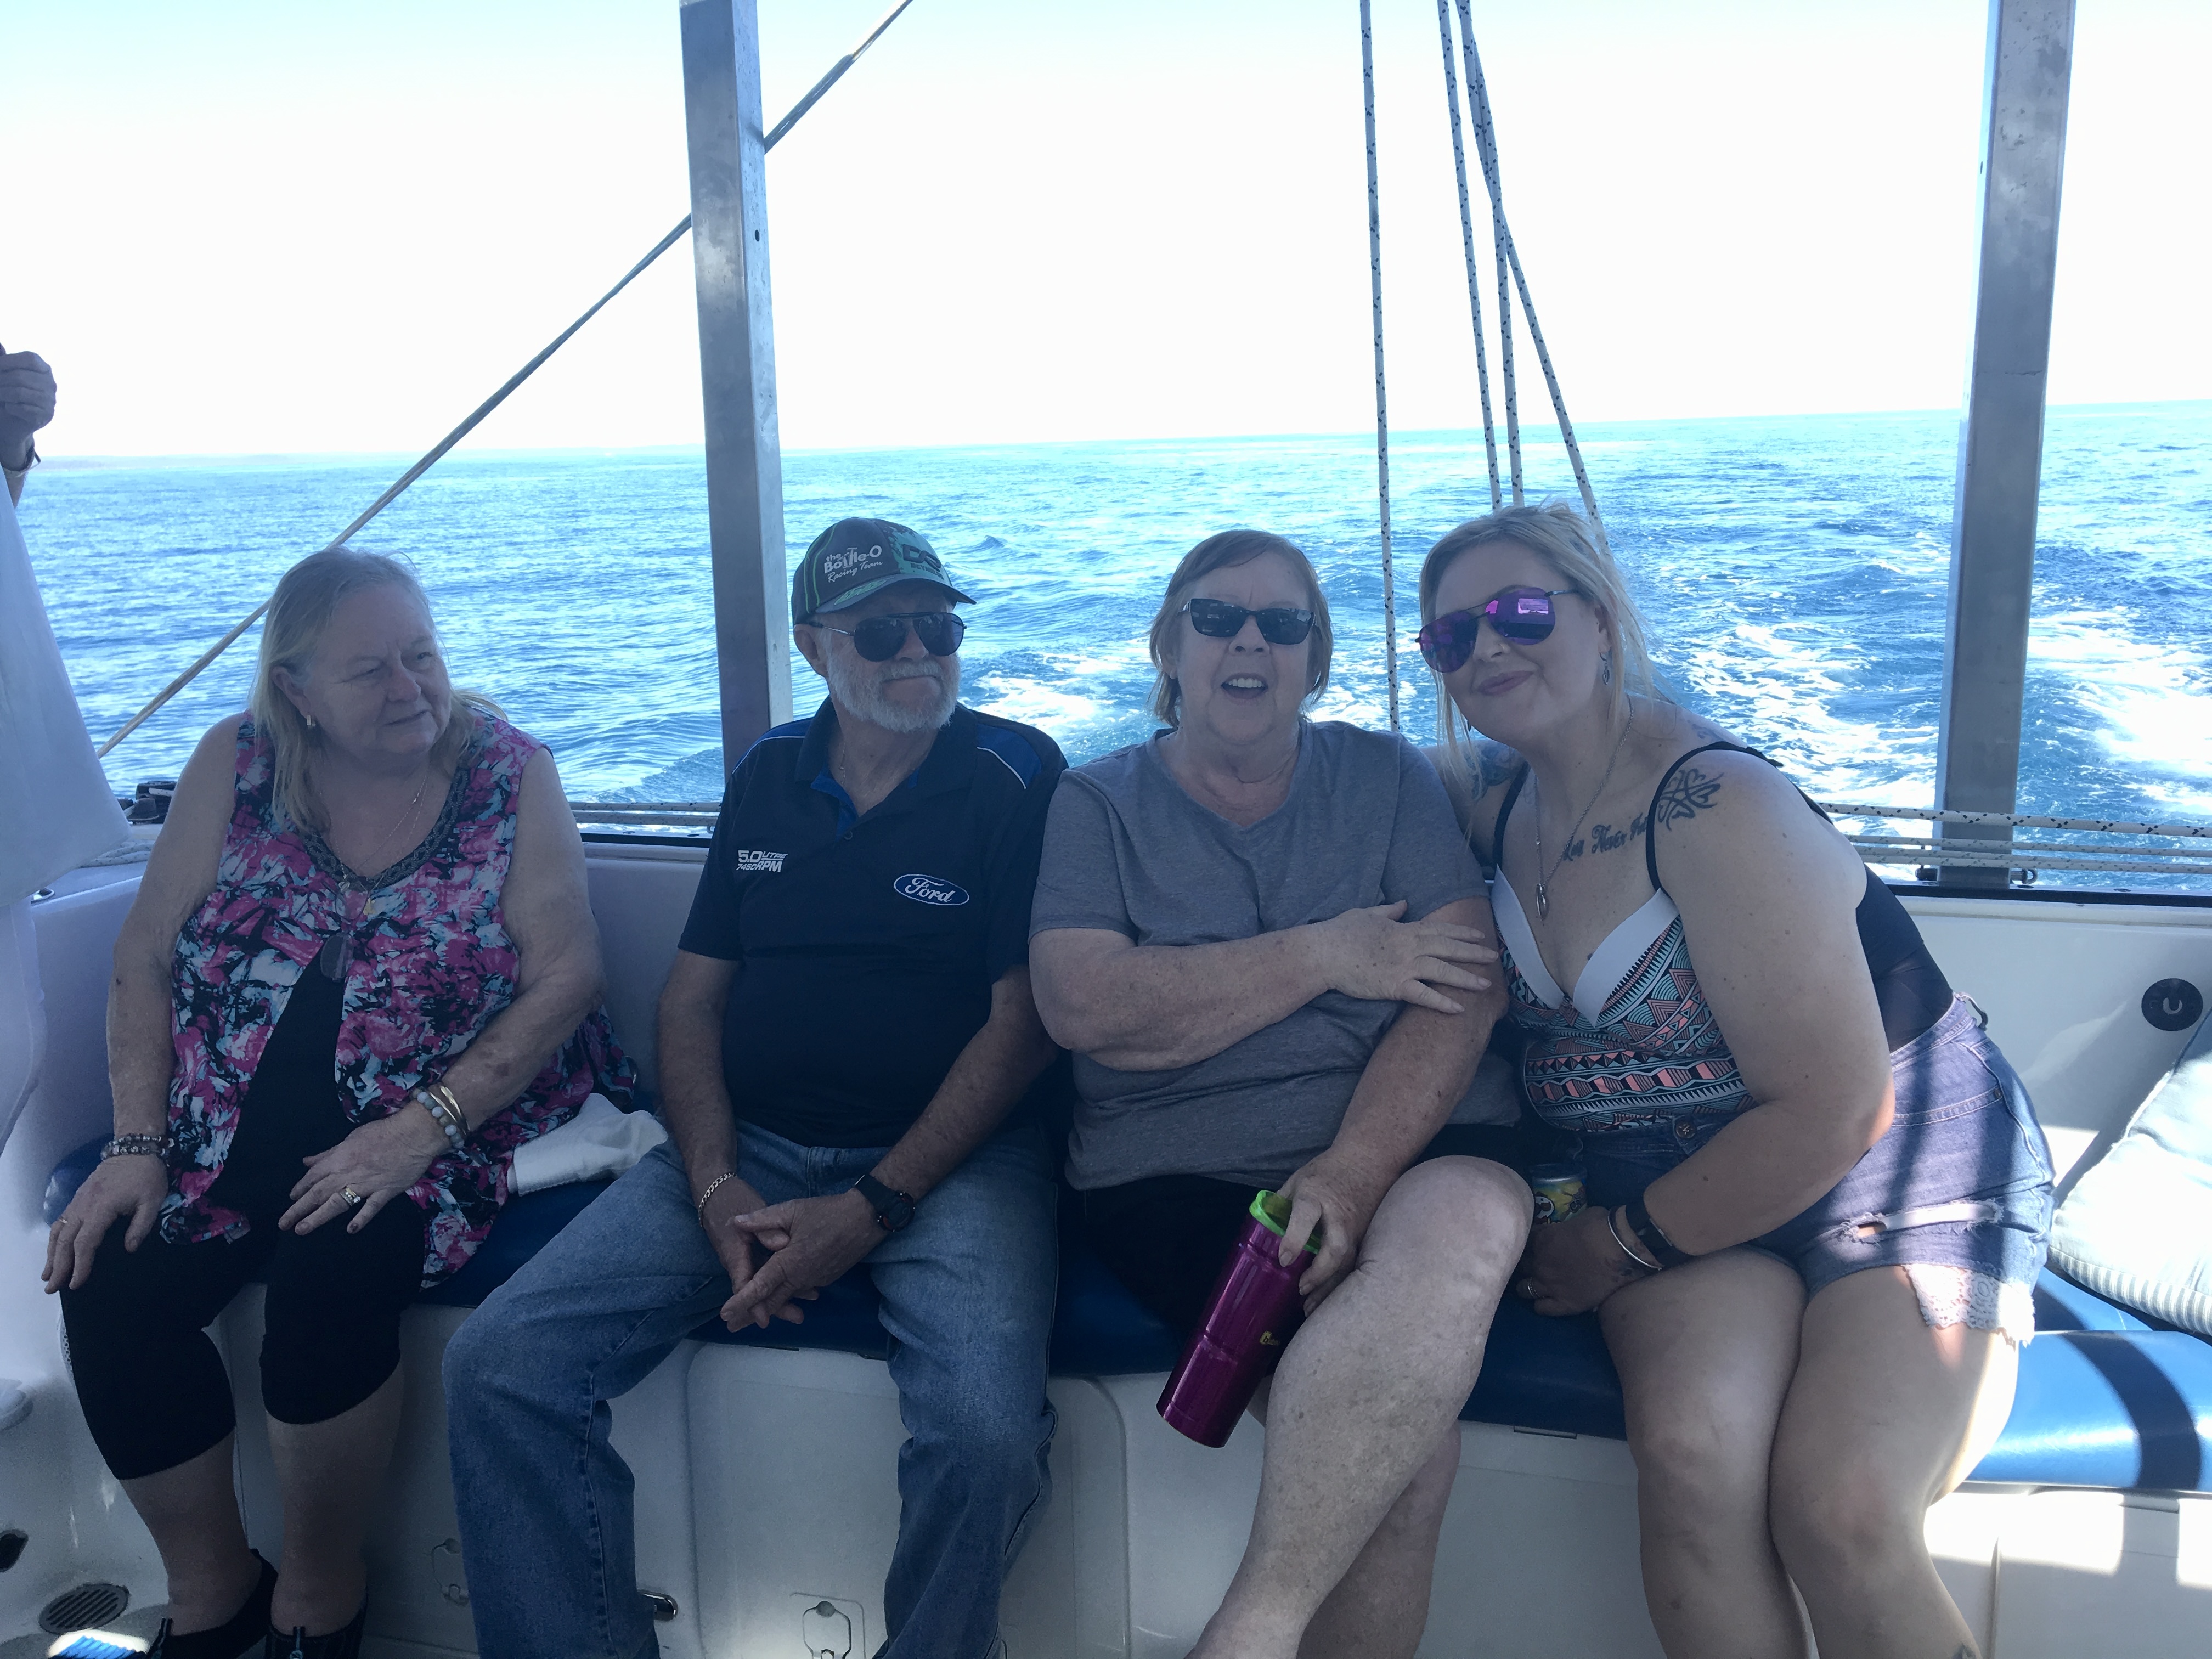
737 366
2031 50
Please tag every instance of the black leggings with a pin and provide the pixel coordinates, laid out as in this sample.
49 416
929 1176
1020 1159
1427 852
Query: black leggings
152 1384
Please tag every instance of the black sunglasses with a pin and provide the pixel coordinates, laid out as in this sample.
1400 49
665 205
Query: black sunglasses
1522 616
1217 619
878 638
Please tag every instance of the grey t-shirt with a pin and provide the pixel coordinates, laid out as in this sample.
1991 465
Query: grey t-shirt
1127 849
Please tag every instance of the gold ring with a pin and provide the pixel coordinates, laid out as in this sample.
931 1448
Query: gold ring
353 1200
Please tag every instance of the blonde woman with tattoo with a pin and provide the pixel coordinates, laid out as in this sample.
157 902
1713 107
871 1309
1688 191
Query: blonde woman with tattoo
1818 1194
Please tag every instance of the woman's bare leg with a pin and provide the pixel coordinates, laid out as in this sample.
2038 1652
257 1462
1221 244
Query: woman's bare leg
192 1512
1381 1606
1706 1354
1363 1396
1885 1416
331 1474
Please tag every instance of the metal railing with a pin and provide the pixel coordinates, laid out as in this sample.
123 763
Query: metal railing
2003 853
697 817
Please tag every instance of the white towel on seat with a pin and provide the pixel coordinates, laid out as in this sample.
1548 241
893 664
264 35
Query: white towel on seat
600 1142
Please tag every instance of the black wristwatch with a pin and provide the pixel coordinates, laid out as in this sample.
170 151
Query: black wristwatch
893 1210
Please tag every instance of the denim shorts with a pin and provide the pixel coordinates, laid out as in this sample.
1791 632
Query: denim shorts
1961 1179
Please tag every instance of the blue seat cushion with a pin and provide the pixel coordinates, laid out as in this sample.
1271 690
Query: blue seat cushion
526 1226
68 1176
1554 1374
2105 1400
2060 1306
2110 1408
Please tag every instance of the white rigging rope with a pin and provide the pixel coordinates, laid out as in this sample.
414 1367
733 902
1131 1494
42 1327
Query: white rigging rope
1486 150
1382 402
1467 246
1485 140
829 79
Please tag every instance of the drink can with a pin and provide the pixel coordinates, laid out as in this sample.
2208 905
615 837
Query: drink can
1558 1189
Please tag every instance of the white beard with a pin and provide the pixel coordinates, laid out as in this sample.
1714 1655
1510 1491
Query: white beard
859 686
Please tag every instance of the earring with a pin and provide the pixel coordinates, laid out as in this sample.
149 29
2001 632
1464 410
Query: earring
1605 668
312 726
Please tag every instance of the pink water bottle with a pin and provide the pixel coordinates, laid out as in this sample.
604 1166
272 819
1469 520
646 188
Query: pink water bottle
1255 1310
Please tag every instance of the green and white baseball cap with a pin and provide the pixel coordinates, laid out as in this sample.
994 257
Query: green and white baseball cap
855 557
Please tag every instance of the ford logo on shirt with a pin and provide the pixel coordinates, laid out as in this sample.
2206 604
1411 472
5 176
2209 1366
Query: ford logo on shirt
929 890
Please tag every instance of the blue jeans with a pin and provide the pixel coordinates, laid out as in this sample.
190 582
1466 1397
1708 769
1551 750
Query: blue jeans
967 1291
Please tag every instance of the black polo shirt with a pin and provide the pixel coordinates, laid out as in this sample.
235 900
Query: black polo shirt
867 946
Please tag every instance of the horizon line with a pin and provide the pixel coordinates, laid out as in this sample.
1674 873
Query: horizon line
1549 438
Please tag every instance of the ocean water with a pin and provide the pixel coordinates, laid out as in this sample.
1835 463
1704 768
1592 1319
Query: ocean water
1792 571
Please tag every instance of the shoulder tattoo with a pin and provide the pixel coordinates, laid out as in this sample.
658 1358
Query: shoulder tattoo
1689 792
1491 764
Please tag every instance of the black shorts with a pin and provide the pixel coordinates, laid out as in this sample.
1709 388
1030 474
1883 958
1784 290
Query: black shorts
1165 1236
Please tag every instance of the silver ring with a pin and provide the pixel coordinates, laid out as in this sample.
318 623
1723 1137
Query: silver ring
353 1200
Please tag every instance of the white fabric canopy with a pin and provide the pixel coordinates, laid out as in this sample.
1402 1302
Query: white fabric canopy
56 810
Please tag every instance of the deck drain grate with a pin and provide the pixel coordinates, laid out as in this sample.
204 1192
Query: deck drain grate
85 1606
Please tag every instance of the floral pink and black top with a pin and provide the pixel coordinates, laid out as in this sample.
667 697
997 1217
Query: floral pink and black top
427 963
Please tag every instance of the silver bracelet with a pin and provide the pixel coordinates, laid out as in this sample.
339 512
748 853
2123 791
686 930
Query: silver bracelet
713 1187
135 1146
1642 1266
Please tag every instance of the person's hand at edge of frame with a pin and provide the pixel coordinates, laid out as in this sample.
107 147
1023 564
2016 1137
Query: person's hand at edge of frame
27 404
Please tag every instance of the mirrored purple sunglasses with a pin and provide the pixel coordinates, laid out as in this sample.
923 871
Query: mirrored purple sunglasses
1522 614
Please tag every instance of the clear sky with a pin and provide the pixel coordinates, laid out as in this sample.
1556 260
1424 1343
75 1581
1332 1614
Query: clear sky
278 227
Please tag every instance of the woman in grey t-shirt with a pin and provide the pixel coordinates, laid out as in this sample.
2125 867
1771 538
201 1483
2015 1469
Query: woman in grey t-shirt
1265 942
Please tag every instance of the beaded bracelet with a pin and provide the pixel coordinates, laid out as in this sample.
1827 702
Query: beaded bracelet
445 1111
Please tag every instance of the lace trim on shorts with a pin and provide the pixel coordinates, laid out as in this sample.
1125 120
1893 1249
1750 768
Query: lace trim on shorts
1981 1301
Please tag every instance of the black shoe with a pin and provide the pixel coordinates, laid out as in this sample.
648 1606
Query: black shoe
342 1643
229 1640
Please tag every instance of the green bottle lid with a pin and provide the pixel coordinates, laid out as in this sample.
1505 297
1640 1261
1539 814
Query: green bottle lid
1273 1212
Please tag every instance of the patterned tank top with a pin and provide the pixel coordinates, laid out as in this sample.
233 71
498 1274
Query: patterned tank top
426 962
1633 1041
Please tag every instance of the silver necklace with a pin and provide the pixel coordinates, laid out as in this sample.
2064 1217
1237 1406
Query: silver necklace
401 821
1543 881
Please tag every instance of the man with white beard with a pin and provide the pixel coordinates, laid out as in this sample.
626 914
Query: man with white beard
848 1054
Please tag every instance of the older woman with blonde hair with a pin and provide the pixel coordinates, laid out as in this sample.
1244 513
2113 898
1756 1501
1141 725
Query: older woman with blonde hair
1818 1195
360 972
1265 942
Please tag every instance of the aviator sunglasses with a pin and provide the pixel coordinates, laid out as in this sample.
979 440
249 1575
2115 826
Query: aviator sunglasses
1522 616
878 638
1217 619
